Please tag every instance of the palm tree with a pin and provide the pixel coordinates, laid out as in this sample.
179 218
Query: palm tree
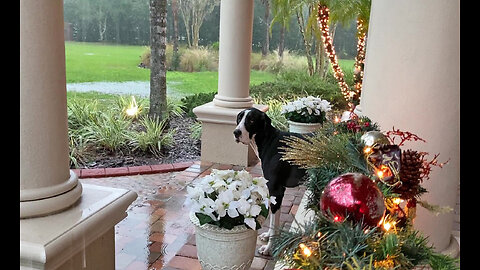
344 11
282 13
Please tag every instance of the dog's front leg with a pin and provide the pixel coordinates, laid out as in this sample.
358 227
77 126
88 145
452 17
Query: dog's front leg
273 230
266 235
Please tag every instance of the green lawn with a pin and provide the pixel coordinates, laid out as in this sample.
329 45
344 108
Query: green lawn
91 62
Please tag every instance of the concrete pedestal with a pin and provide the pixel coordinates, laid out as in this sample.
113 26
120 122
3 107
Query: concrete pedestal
218 142
81 237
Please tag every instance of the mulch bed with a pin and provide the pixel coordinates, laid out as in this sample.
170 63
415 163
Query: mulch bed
184 149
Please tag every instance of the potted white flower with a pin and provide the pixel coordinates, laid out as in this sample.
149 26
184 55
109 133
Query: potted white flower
227 207
306 114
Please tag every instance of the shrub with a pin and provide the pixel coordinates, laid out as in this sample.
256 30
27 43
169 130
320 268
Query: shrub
199 59
289 62
153 138
111 132
175 107
255 59
82 113
196 130
195 100
292 84
171 62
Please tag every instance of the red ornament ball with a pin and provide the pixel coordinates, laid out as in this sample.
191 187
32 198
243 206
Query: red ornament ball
353 195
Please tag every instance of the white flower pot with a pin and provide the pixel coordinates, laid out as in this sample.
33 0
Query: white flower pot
298 127
219 248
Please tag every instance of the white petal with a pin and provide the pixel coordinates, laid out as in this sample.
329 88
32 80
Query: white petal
250 222
232 212
255 210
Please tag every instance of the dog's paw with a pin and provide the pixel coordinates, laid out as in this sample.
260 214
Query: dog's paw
265 236
265 250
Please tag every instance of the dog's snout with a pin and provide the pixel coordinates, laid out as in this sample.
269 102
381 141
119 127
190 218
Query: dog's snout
237 133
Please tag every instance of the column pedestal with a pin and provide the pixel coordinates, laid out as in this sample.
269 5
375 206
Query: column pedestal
218 142
81 237
219 116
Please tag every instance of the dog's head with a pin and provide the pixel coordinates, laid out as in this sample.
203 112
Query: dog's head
249 123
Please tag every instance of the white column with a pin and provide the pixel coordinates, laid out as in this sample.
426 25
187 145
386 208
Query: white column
236 24
412 82
46 183
219 116
57 230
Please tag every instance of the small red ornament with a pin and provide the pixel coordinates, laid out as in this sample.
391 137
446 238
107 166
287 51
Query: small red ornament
353 195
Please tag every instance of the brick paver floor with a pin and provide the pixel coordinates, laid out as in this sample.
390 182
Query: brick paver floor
158 234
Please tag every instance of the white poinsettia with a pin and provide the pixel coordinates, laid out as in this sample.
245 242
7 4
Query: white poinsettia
228 198
306 110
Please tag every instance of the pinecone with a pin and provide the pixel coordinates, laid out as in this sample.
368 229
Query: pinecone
410 174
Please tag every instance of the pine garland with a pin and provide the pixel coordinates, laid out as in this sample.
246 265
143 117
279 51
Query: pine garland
323 243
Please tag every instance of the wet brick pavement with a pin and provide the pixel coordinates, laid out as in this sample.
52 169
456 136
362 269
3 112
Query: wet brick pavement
158 234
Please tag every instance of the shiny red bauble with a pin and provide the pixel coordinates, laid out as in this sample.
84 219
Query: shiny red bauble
353 195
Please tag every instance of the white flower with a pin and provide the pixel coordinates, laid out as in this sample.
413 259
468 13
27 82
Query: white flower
226 205
305 107
229 192
269 200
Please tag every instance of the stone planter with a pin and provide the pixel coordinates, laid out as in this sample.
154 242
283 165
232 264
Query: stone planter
219 248
298 127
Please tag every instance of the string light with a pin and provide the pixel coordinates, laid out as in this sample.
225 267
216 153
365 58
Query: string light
352 96
336 120
306 250
359 59
397 201
337 218
323 16
383 172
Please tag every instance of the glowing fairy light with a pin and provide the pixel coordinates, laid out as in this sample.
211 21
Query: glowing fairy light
383 172
387 226
397 201
306 250
132 110
352 96
336 120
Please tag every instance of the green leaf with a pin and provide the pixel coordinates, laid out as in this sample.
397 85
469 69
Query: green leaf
264 211
204 219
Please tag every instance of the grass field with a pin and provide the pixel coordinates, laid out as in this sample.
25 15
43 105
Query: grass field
93 62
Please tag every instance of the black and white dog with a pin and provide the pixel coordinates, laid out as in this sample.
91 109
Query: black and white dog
255 127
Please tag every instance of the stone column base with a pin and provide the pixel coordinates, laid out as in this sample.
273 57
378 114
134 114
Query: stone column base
81 237
218 143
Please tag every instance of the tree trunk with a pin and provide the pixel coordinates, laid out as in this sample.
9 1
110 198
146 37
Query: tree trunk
158 40
281 43
186 10
102 27
266 44
176 57
306 42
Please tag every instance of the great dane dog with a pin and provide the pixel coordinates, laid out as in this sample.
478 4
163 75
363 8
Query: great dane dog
255 128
